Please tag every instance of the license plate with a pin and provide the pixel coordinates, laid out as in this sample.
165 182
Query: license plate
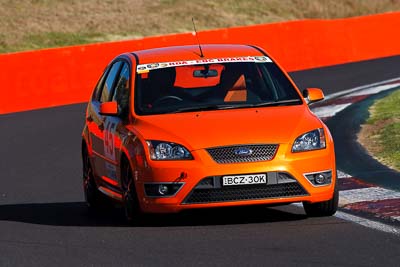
244 179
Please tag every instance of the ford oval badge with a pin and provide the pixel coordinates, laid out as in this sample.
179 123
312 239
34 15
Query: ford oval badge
243 151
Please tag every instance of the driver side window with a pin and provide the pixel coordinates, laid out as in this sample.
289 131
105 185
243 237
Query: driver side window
122 89
109 82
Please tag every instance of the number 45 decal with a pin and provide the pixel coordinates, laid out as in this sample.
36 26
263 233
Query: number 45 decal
109 143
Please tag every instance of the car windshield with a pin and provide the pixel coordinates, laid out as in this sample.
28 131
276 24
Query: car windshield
175 87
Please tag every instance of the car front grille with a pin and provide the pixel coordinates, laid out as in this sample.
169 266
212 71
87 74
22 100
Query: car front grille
242 193
243 153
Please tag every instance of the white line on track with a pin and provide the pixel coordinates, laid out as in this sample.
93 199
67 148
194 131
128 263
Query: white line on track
343 174
355 89
368 223
374 90
367 194
329 111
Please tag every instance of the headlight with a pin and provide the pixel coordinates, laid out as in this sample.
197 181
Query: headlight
160 150
310 141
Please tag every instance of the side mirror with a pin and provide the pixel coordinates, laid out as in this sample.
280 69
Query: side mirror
109 108
313 95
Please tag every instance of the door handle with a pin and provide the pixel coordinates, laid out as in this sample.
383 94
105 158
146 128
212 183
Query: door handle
101 126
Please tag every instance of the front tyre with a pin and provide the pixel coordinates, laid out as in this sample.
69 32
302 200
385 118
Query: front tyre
130 199
94 199
325 208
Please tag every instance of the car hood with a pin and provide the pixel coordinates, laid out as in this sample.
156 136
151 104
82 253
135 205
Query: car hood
198 130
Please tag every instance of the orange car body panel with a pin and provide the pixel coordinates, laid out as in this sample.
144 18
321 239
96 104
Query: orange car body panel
200 130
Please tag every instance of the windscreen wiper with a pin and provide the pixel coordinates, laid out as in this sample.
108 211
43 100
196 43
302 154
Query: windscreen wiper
267 104
221 107
204 108
277 103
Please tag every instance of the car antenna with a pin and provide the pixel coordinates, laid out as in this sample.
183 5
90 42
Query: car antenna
197 37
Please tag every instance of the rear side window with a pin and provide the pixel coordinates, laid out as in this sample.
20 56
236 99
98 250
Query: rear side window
109 82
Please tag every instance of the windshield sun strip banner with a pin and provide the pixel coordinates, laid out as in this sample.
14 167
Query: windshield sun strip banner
143 68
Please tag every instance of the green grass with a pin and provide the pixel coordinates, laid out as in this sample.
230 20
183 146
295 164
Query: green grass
51 39
386 117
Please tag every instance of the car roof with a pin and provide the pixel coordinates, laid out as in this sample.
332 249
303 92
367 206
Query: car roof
192 52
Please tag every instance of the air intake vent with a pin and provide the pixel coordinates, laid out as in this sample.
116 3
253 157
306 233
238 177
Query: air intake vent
241 193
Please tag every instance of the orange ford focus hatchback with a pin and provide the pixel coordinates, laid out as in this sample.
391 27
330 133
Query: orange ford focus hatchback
178 128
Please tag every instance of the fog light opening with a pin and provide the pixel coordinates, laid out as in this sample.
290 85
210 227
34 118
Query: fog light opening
319 178
163 189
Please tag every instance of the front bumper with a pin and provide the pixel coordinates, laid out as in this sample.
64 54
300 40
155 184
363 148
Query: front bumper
194 195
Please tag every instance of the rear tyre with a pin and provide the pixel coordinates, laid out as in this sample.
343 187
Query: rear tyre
94 199
130 198
325 208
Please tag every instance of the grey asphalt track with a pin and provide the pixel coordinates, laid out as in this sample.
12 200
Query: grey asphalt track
44 222
345 76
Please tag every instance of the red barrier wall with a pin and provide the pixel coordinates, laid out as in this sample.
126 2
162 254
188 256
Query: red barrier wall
52 77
